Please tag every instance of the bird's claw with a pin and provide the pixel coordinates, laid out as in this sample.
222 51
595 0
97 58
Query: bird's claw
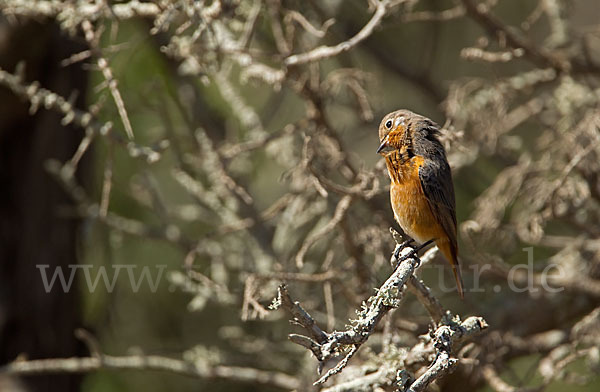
400 247
413 252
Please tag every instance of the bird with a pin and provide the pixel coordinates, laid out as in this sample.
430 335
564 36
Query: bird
421 189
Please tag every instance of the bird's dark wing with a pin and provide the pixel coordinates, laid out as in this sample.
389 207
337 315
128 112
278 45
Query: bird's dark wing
436 181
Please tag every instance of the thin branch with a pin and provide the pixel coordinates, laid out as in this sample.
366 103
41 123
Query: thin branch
423 294
499 385
39 96
540 56
442 365
106 182
149 362
89 11
300 316
90 36
438 16
338 215
329 51
491 57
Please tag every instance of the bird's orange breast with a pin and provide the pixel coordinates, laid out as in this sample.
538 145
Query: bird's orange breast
410 206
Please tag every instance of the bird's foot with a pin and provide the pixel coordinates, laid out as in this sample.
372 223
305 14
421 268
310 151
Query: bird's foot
410 254
402 246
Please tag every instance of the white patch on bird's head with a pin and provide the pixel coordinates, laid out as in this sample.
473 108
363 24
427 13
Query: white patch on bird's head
399 121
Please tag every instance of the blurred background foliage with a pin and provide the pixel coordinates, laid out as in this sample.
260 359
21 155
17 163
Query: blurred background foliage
227 176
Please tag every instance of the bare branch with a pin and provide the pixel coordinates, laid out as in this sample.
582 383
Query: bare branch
326 346
149 362
494 26
90 36
322 52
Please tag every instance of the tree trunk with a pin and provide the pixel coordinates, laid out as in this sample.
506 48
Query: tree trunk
34 323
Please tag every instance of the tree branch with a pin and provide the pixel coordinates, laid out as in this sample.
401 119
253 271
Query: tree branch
150 362
329 51
327 346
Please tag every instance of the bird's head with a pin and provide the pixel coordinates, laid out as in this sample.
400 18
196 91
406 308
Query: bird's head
394 132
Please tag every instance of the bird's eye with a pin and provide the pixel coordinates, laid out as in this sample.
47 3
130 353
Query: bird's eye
388 124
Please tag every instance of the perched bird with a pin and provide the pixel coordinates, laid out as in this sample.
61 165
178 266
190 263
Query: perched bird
421 191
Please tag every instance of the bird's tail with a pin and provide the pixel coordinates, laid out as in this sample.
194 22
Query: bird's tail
458 278
451 255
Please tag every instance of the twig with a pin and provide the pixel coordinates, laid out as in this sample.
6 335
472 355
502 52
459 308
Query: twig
338 215
89 11
273 7
90 36
300 316
39 96
106 182
498 384
423 294
426 16
329 51
339 367
491 57
443 365
306 25
149 362
494 26
244 41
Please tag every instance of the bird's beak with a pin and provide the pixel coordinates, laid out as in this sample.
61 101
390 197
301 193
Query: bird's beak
384 147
